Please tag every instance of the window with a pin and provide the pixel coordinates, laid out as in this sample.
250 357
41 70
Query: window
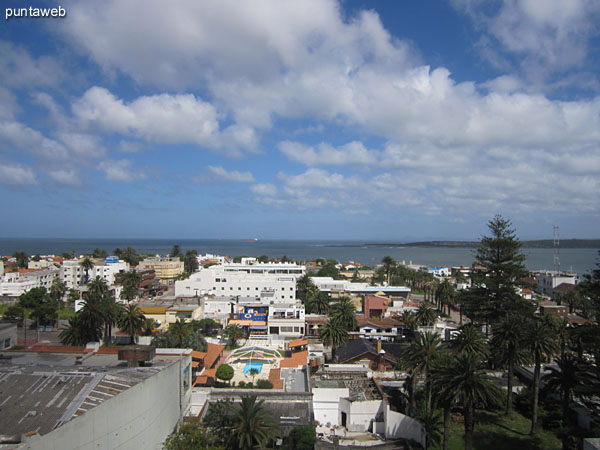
287 330
239 289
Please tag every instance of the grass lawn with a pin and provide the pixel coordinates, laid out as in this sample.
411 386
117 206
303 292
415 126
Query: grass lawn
498 432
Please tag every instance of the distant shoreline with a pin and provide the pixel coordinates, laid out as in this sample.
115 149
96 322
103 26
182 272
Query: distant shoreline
541 243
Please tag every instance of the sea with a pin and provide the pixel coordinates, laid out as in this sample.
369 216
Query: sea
580 260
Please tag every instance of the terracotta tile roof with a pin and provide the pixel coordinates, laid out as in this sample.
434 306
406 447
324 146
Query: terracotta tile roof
198 355
201 380
386 322
296 360
275 378
195 364
153 309
297 343
212 354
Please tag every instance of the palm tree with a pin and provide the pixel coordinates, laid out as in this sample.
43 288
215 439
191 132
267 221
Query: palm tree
252 426
388 264
98 287
344 311
410 321
421 356
445 399
320 303
132 321
426 315
334 334
178 331
468 382
73 333
508 345
470 340
128 292
149 326
432 423
570 376
541 343
57 289
233 333
111 312
304 286
87 265
132 278
91 317
445 294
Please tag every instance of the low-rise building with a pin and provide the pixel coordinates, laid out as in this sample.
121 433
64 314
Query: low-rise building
166 268
17 283
65 397
286 320
548 280
336 288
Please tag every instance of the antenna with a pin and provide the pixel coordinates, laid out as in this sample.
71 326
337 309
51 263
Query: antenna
556 242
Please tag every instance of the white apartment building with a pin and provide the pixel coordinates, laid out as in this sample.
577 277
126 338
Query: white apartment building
343 287
16 283
548 280
216 280
73 275
252 266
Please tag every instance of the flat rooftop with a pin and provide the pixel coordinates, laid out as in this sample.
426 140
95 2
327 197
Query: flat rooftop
41 391
361 387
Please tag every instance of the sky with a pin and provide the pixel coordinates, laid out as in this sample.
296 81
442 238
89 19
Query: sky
313 119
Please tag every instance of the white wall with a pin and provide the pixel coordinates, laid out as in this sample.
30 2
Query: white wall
139 418
326 404
360 414
399 426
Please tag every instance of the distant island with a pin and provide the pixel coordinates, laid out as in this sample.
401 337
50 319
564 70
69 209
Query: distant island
540 243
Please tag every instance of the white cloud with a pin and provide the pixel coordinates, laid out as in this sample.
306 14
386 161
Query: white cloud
351 153
549 35
163 118
14 174
120 170
264 190
217 174
20 69
67 177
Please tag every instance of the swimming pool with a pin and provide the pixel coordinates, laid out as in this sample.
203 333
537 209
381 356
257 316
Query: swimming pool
253 365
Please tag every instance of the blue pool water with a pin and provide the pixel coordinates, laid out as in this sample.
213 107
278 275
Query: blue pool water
253 365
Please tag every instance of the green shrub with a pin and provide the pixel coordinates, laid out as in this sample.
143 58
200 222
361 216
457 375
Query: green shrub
264 384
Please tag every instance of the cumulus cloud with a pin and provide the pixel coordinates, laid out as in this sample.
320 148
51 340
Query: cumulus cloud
162 118
120 170
551 35
66 177
217 174
20 69
13 174
325 154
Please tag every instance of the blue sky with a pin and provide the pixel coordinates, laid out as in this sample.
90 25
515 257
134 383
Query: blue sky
313 119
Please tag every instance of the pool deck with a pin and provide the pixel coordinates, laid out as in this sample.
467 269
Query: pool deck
238 367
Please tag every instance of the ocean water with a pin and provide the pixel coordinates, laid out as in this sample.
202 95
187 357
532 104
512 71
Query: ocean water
578 260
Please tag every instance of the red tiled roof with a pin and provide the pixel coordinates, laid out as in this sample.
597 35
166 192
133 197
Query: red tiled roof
212 354
386 322
198 355
275 378
296 360
297 343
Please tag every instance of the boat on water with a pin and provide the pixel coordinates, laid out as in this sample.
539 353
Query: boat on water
251 240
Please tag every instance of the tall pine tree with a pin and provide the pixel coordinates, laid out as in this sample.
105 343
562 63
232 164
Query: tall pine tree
495 284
